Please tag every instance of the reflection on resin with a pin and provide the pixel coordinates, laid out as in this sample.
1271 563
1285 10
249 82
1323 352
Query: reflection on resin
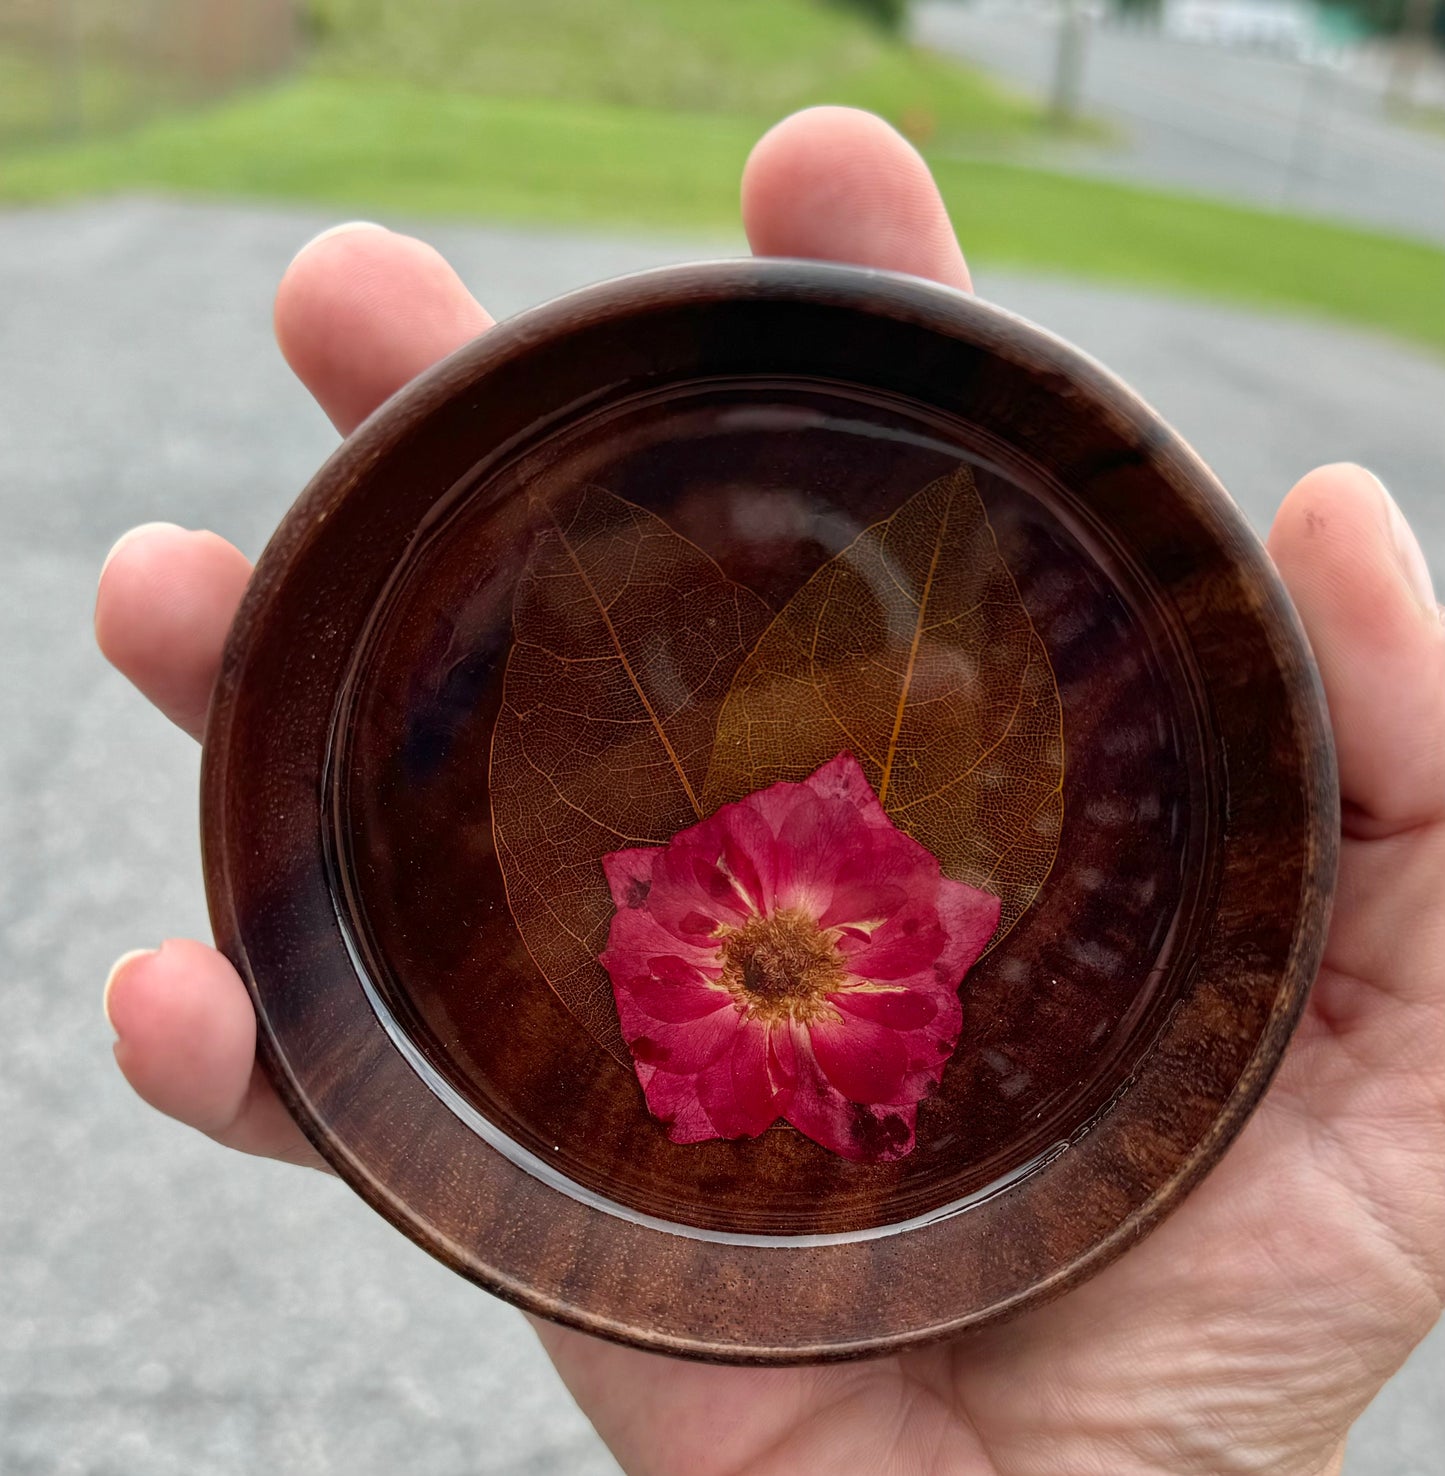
688 599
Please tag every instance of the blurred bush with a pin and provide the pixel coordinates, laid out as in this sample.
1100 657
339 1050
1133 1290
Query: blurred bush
889 14
1391 16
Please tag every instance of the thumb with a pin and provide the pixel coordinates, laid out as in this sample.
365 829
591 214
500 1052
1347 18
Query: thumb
1372 1074
1362 587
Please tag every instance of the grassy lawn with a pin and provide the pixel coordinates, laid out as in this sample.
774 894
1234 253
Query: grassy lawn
1426 116
399 150
1152 238
731 58
736 58
36 102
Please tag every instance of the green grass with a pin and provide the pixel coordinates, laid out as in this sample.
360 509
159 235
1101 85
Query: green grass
28 101
404 151
734 58
399 151
738 58
36 102
1424 115
1152 238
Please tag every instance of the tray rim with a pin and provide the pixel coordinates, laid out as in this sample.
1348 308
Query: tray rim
996 331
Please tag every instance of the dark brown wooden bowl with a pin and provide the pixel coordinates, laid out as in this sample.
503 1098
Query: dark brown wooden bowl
401 796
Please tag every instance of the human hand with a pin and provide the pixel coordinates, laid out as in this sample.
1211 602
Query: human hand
1254 1325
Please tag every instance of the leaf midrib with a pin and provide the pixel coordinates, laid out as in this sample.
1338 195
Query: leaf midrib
918 625
616 640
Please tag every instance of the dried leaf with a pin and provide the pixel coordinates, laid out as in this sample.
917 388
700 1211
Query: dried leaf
625 638
912 650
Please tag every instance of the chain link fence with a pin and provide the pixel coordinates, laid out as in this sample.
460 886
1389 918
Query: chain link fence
74 67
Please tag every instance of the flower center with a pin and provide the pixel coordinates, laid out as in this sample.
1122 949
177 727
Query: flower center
781 965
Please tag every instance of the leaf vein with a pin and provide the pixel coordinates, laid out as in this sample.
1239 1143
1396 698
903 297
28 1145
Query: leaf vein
627 666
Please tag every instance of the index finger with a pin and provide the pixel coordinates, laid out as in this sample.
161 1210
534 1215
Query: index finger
838 184
361 311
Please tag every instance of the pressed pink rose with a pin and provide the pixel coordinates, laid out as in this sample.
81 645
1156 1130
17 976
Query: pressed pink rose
794 955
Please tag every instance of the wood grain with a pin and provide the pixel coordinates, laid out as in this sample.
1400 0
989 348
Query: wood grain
407 1029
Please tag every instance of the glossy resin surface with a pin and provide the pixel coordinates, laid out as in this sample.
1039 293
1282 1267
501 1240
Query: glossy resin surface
644 553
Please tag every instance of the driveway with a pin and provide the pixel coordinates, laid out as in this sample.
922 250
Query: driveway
1215 122
172 1310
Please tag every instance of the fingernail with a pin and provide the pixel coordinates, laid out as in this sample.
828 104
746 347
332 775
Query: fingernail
116 970
1408 553
129 537
336 230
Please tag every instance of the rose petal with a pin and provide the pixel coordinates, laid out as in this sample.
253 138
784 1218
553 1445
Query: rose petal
906 944
737 1091
866 1061
665 990
874 874
716 873
970 919
898 1008
819 840
673 1100
929 1049
782 1056
773 805
750 856
636 936
866 1134
861 908
843 778
629 875
679 1047
926 1047
681 903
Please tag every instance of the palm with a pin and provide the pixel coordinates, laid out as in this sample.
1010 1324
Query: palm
1252 1327
1245 1334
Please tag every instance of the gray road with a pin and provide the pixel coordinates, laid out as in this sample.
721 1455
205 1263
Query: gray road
1218 122
170 1310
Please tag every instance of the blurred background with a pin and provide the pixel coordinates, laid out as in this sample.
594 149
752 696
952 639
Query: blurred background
1239 205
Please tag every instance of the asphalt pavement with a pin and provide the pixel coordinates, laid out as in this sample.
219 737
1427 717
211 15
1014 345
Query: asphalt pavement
167 1309
1211 121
